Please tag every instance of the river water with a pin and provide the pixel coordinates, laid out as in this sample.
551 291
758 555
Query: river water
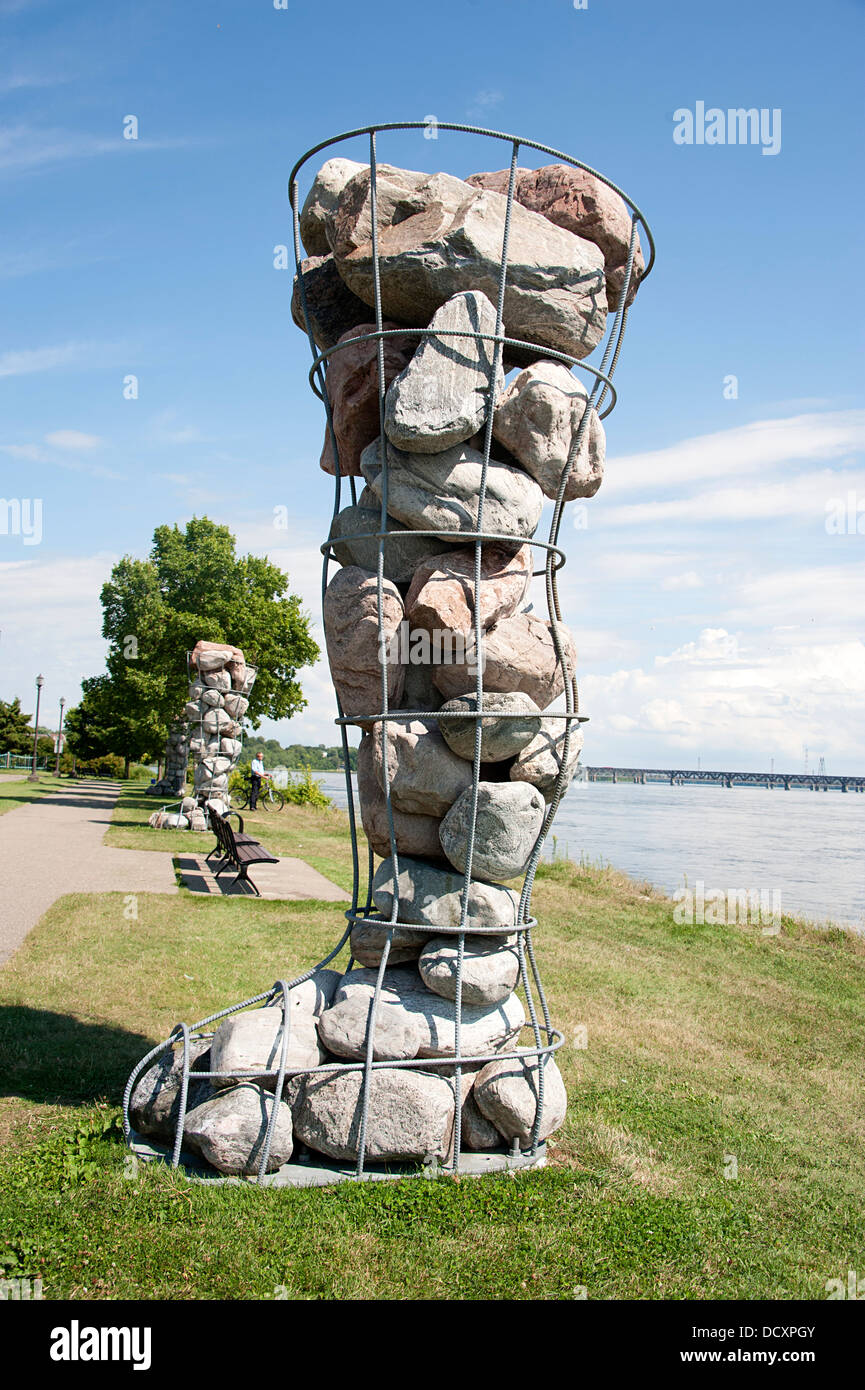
809 847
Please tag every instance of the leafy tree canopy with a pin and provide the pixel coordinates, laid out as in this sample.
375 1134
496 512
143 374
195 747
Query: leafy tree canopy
192 586
16 735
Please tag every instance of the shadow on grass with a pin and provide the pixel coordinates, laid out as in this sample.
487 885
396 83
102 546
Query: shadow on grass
55 1059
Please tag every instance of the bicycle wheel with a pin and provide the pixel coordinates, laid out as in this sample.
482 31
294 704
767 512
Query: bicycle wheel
278 800
243 802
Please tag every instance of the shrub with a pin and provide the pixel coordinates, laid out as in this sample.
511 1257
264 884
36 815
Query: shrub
108 765
303 790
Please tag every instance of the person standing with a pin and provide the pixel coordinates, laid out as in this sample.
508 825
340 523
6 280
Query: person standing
257 774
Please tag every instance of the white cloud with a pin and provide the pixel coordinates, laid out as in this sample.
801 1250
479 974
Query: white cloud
755 448
25 147
51 621
72 439
676 582
804 495
736 700
82 355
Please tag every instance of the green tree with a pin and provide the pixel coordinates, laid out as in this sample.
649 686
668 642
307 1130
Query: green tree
112 718
16 735
192 586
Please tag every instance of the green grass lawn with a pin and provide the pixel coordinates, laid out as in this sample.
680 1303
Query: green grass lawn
17 791
710 1051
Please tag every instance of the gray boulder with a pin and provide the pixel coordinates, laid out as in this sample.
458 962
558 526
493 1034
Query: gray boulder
539 762
229 1131
368 942
537 420
440 492
425 776
432 896
439 237
506 1092
351 632
518 654
491 968
509 820
252 1041
477 1133
500 738
414 834
410 1115
442 397
330 304
402 555
155 1102
413 1022
321 200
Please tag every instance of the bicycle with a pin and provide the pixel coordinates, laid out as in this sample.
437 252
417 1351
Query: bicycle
270 798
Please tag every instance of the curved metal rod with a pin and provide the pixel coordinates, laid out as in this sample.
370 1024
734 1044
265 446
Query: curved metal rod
476 130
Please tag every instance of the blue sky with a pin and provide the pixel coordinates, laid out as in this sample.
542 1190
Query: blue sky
715 614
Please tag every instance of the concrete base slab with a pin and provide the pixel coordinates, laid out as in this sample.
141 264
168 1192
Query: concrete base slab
313 1170
289 880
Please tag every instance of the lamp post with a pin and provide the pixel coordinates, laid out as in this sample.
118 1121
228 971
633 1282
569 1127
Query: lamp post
59 738
40 681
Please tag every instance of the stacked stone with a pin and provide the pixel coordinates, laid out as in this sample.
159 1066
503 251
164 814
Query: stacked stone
440 244
172 781
219 686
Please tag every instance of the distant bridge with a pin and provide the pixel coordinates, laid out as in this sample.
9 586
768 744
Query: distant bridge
680 777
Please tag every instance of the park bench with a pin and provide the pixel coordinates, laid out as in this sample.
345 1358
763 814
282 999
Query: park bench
237 849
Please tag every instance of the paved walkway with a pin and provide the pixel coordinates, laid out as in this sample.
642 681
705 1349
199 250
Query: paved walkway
54 846
291 879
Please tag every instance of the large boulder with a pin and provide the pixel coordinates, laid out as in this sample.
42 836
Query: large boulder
368 940
540 761
583 204
414 834
252 1041
442 397
351 633
441 492
213 656
490 970
507 1093
438 237
442 592
518 654
321 200
353 391
477 1134
229 1131
537 420
425 776
154 1105
420 692
330 304
411 1021
431 895
501 737
410 1114
402 554
508 822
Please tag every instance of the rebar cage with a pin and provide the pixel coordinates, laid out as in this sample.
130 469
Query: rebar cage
546 1038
